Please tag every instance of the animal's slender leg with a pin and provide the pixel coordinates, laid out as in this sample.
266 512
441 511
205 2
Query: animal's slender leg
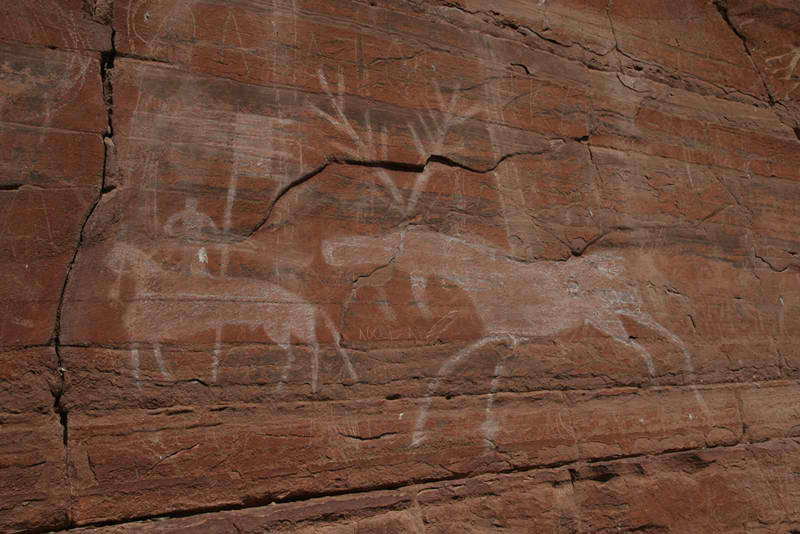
309 334
135 364
648 321
216 357
418 286
383 303
490 426
346 359
314 366
160 361
447 367
284 342
616 330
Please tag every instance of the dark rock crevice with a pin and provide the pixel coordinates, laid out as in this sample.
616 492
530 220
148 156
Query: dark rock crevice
13 187
722 8
386 165
58 390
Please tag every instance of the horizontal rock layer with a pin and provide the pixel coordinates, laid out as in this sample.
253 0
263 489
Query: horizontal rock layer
416 266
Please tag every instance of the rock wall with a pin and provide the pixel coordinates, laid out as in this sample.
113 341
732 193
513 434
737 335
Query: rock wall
400 266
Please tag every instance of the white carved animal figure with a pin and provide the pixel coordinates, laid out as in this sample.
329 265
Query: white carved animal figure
168 303
514 299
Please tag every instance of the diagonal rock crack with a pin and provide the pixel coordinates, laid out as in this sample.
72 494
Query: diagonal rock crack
722 8
397 166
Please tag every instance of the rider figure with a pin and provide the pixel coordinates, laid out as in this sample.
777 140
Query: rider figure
192 226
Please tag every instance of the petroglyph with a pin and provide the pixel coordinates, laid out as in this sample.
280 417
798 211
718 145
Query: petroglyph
36 93
193 226
149 23
507 259
374 147
515 299
429 137
211 303
258 150
793 56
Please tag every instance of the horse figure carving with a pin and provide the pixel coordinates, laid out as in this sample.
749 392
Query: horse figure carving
166 302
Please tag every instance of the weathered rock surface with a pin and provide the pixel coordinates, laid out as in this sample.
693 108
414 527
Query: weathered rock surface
417 266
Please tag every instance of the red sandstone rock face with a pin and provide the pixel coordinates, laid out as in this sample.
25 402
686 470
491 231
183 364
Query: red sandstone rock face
411 266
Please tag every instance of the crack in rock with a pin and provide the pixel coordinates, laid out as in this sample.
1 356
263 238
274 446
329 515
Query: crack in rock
722 8
397 166
106 66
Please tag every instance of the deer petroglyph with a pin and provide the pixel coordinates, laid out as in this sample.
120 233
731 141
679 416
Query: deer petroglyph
513 298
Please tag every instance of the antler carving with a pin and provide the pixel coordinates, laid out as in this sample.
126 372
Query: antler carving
428 139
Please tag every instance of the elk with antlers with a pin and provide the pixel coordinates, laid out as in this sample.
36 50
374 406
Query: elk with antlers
515 299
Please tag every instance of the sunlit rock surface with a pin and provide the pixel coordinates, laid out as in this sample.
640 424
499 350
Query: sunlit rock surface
400 266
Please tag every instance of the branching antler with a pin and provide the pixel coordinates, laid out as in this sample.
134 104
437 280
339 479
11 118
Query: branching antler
429 140
364 150
436 129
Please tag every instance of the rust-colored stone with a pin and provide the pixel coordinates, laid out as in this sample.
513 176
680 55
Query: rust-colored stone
415 266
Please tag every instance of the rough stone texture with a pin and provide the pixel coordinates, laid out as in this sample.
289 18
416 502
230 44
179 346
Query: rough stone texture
400 266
